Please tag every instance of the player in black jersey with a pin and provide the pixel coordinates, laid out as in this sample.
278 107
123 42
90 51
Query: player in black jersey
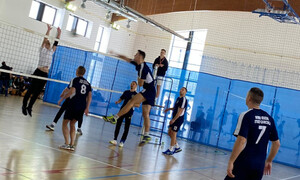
146 96
254 130
179 110
80 94
126 96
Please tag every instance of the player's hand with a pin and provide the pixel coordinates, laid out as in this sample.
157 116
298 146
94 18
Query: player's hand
59 102
229 170
156 65
86 111
161 65
49 27
171 122
268 167
58 30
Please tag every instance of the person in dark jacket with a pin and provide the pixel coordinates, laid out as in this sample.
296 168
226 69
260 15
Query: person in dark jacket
160 67
4 78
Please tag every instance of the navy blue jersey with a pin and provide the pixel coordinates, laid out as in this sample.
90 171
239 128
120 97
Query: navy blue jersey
181 102
258 127
145 74
83 87
126 96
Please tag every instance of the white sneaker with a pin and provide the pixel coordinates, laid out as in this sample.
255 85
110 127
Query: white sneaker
113 142
121 144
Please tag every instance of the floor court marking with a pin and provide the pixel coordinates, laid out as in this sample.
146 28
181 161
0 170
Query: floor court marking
290 177
136 173
154 172
13 173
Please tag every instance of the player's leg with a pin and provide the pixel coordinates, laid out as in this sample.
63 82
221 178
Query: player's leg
66 134
117 130
72 134
58 115
137 99
146 115
25 100
126 129
79 131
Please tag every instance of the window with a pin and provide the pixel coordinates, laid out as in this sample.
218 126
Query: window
99 39
178 50
42 12
77 25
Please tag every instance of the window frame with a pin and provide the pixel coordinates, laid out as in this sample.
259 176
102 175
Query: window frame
41 12
74 25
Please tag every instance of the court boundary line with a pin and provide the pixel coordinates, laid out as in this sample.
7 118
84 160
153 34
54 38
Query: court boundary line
292 177
78 155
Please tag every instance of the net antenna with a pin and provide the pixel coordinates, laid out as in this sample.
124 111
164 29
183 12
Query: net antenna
279 10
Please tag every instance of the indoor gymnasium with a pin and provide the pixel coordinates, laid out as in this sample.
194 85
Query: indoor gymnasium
149 89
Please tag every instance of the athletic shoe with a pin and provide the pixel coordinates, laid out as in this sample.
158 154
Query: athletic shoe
146 139
50 127
121 144
168 152
29 111
113 142
72 148
177 150
24 110
65 146
79 132
110 119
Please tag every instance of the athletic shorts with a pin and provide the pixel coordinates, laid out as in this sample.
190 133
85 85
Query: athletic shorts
72 114
177 124
159 80
149 95
244 171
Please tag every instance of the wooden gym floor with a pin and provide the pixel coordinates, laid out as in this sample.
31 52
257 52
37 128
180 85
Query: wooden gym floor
29 151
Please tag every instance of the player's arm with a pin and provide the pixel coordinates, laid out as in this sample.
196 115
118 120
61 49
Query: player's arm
57 37
168 109
119 101
89 100
141 82
137 105
237 149
47 34
274 149
70 92
180 110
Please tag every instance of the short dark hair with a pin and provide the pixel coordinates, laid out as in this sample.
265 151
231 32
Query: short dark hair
185 89
134 82
81 70
256 95
3 63
163 50
142 53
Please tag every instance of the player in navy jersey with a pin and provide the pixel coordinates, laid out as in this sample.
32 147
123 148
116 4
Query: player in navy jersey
80 94
126 96
179 110
146 96
254 130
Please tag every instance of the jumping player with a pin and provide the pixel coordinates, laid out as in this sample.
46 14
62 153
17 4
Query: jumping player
146 96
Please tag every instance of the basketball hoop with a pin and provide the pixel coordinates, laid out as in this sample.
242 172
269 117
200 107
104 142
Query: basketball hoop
279 10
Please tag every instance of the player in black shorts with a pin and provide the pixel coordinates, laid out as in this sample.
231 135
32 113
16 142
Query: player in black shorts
179 110
126 96
255 128
62 110
146 96
80 94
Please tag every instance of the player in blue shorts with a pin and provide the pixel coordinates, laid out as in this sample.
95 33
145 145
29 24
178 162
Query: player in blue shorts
80 94
254 130
146 96
179 110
